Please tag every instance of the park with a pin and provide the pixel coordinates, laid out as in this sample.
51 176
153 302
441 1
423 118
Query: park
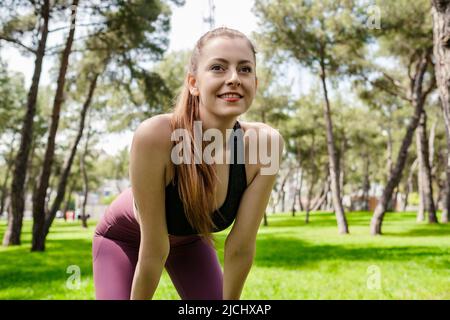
354 96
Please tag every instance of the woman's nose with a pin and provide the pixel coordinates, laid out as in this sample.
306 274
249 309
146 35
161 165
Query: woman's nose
234 80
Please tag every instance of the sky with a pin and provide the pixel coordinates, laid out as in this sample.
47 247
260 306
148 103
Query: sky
187 25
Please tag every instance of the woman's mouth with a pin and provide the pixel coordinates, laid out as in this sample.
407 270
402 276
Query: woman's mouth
230 97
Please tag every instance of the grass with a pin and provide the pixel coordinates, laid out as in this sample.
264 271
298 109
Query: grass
294 260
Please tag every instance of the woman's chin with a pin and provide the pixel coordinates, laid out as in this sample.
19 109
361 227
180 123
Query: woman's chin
236 111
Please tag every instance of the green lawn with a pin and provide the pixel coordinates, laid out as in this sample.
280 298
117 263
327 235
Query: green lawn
293 261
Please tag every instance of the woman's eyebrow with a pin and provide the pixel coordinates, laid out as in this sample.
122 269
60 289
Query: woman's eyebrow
226 61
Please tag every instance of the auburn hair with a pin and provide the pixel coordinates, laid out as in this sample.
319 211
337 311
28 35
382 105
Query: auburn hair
197 181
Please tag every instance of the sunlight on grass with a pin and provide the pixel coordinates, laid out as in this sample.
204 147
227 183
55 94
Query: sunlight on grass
294 260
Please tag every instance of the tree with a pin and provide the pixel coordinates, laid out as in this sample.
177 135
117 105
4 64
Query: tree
129 30
13 98
85 175
40 194
441 33
305 131
323 36
425 177
408 40
60 193
12 31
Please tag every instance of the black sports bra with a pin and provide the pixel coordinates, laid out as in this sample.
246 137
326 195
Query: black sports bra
177 223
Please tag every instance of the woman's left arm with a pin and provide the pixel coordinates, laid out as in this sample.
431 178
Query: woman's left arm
240 244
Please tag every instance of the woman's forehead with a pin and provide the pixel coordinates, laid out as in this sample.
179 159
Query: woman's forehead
230 49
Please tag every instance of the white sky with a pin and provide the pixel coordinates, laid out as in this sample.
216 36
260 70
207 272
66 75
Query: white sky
187 25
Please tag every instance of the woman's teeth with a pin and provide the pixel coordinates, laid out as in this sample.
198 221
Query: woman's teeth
230 96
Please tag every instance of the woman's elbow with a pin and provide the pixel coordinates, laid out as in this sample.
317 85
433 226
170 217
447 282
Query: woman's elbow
241 251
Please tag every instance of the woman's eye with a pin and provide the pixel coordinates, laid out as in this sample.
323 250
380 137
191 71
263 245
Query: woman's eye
217 67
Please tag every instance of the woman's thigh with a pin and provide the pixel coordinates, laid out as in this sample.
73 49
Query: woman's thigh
195 271
114 263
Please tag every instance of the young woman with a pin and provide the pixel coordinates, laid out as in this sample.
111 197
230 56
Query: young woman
167 216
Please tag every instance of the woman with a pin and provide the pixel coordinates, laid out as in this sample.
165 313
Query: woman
167 217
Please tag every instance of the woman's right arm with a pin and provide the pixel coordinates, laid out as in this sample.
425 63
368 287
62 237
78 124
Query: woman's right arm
148 156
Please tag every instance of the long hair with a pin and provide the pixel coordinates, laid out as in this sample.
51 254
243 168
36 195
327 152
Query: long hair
197 181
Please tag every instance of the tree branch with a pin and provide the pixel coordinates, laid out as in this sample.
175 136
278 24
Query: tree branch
77 26
431 87
386 89
392 80
8 39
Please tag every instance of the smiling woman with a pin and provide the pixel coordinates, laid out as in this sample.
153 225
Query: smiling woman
168 216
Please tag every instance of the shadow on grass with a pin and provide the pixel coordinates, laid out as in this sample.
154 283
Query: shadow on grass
20 267
358 219
425 230
292 253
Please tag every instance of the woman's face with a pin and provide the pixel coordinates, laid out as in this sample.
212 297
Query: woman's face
225 65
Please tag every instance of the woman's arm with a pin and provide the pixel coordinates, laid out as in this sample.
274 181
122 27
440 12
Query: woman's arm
241 242
147 173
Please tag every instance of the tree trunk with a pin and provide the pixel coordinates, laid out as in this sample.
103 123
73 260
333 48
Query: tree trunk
295 191
313 180
299 194
323 195
394 199
427 178
308 199
283 198
431 146
389 164
85 178
39 197
334 174
299 188
69 161
446 205
68 200
265 219
441 41
9 159
4 191
14 230
282 192
274 200
433 167
366 183
352 205
418 98
420 181
342 165
293 203
409 187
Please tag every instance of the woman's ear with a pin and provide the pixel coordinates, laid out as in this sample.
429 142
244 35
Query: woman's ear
256 83
192 83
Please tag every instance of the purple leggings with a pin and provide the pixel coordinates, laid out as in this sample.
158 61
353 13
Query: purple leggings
192 263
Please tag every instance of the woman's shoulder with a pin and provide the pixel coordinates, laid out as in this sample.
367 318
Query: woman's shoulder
259 127
263 134
160 121
155 132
